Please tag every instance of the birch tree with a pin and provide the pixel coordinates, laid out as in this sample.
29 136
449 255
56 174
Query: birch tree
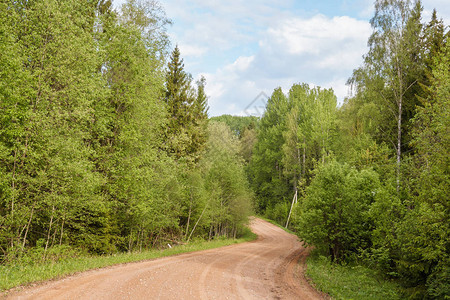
391 69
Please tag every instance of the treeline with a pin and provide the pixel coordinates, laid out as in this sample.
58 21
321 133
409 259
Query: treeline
372 176
244 129
105 143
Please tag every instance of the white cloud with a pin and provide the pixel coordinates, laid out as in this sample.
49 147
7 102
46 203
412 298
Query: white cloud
227 88
332 43
318 50
244 47
310 36
241 64
215 87
218 24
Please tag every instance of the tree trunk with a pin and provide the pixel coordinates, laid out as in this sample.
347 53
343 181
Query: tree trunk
304 158
210 232
62 230
399 143
399 128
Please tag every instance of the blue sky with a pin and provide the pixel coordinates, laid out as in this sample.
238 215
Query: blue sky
245 47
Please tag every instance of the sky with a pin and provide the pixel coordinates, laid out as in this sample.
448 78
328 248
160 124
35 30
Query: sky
247 48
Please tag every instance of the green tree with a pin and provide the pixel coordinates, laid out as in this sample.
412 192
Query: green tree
425 229
248 139
434 41
245 128
355 143
266 169
15 92
229 196
130 126
392 69
56 182
149 17
333 216
185 137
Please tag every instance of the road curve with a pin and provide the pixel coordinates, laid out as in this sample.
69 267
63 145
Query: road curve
263 269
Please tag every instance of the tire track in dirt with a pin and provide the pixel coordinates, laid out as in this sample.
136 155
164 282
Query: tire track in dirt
264 269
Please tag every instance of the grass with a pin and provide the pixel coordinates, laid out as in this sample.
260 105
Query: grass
17 275
349 281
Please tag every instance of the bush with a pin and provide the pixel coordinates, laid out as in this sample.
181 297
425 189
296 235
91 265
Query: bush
334 214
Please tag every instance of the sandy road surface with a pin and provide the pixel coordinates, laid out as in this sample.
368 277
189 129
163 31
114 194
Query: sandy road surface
264 269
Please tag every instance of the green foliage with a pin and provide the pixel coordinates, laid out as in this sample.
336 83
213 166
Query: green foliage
86 109
278 212
410 239
105 147
408 234
48 163
388 82
132 118
334 215
293 135
248 140
425 246
226 183
185 135
266 170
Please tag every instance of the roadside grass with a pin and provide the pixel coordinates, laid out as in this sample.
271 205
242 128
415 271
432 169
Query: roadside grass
349 281
18 275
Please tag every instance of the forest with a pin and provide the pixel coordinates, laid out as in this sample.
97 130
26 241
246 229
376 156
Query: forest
106 145
372 175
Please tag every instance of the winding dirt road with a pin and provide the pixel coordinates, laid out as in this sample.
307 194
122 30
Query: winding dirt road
264 269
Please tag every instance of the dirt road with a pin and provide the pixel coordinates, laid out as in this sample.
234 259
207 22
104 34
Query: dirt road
264 269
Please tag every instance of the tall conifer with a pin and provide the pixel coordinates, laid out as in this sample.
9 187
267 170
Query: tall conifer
187 109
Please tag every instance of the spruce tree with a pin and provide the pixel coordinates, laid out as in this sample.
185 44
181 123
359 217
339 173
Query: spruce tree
187 110
433 42
200 115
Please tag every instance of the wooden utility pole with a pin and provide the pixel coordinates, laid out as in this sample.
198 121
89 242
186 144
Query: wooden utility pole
294 200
